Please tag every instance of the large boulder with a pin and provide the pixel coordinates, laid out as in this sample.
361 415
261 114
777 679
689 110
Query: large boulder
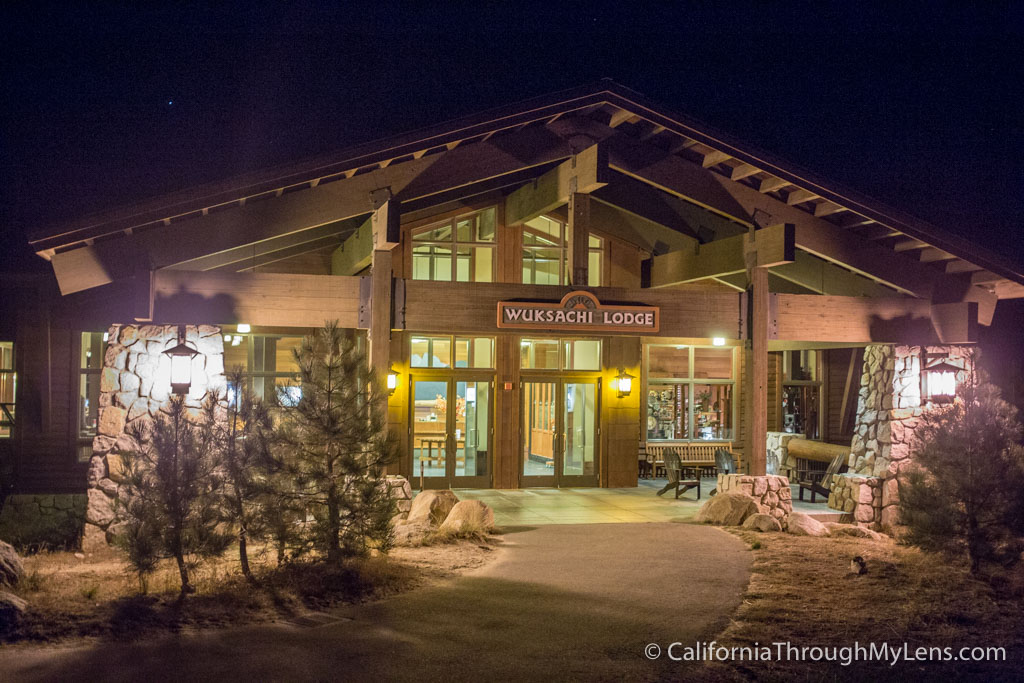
11 609
762 522
99 510
11 568
727 509
432 506
411 533
853 531
801 524
469 514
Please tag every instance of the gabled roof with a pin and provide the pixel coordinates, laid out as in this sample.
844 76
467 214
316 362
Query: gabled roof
605 106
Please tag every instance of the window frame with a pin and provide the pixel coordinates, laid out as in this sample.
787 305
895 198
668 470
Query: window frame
249 375
453 244
599 274
10 409
83 443
452 341
690 382
560 342
818 383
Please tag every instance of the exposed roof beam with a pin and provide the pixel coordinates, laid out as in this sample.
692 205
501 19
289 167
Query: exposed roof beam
743 171
646 202
583 173
799 196
771 183
713 158
774 245
822 277
827 208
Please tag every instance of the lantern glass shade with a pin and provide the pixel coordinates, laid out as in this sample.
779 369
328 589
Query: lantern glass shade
940 382
624 384
181 367
392 380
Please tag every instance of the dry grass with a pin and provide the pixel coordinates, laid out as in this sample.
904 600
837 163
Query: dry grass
97 596
802 592
473 533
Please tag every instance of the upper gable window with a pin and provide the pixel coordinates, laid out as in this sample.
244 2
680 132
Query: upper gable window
545 253
460 249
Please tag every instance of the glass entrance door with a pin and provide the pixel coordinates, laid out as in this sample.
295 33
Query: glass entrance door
559 432
451 432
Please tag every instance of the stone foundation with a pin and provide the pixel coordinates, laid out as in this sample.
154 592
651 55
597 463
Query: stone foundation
771 493
401 491
135 385
43 521
777 447
889 410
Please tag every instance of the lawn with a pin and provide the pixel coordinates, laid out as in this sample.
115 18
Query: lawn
802 591
74 595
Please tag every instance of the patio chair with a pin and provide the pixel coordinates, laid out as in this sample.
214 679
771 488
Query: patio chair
645 463
676 480
818 481
725 462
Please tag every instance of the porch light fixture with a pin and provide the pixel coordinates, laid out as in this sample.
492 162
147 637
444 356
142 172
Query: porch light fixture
940 382
181 363
718 341
392 380
623 383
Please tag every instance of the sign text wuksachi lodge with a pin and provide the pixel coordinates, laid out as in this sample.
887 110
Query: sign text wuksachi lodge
577 311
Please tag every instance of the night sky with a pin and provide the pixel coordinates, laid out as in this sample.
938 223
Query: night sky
101 107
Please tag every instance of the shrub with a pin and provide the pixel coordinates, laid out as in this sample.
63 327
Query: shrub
965 491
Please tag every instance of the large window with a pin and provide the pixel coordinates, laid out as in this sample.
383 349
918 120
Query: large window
690 393
460 249
801 393
90 367
8 389
560 354
436 352
268 362
545 253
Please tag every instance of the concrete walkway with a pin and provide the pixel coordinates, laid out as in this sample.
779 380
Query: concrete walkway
533 507
562 602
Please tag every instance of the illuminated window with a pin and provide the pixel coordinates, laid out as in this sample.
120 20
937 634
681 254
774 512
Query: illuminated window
801 393
8 389
461 249
90 367
268 364
560 354
546 257
690 393
436 352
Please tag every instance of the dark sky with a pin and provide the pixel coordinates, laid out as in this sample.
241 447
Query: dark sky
920 107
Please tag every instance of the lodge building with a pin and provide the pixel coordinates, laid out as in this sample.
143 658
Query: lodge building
551 287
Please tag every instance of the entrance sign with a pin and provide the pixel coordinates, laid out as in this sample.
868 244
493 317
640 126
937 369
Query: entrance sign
577 311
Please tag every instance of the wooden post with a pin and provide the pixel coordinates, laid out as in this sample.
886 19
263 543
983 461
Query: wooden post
757 423
579 238
380 311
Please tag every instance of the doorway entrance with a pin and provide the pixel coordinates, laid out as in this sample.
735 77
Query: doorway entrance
559 432
452 431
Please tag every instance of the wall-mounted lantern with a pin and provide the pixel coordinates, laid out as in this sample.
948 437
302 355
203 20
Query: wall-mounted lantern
181 357
939 381
392 380
623 383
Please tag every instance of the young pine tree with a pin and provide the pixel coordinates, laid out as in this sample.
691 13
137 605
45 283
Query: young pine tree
172 507
335 444
241 427
966 489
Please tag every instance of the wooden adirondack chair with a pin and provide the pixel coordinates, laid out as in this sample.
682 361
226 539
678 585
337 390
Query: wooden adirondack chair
816 481
725 463
676 480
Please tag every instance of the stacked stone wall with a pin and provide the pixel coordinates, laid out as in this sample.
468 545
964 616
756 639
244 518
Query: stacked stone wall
777 446
135 385
889 410
771 493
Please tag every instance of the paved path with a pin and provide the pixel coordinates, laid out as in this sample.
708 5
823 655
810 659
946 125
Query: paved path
562 602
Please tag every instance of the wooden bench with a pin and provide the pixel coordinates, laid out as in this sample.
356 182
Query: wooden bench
698 455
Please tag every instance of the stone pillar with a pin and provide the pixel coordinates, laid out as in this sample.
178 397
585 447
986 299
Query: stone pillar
135 385
889 409
778 453
771 492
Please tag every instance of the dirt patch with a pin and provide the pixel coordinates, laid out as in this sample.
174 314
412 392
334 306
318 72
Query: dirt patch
96 596
803 592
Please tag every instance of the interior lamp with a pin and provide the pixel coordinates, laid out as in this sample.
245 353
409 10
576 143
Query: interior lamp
244 328
623 383
718 341
940 382
181 363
